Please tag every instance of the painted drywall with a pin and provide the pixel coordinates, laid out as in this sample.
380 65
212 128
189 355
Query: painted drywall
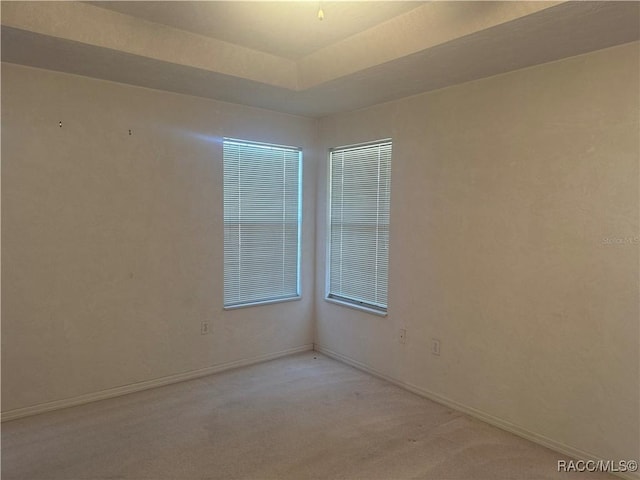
514 241
112 244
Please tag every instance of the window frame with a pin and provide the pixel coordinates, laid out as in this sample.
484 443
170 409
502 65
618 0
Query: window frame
298 295
339 300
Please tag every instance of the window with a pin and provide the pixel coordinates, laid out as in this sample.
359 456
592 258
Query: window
360 181
261 222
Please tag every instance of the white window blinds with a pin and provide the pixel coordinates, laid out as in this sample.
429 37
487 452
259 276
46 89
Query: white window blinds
359 224
261 222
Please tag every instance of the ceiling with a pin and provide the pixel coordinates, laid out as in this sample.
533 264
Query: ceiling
278 55
287 29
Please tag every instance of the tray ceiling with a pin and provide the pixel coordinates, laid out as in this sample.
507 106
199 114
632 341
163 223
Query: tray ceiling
287 29
278 55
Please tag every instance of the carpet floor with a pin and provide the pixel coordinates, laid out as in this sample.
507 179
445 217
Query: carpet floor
300 417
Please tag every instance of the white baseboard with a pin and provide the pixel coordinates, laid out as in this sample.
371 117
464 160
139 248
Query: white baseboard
136 387
480 415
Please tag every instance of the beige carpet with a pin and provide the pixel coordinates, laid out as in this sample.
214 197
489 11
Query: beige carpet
299 417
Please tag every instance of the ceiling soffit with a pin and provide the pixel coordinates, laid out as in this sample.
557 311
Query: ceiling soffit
423 27
434 45
434 23
98 27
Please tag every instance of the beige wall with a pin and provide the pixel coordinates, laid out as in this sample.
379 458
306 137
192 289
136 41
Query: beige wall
112 245
503 191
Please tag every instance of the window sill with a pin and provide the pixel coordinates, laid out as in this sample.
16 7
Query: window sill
263 302
356 307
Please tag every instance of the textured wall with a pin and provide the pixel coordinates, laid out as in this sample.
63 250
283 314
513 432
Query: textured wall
506 193
112 245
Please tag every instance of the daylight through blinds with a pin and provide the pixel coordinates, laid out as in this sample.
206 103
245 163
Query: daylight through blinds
261 222
359 224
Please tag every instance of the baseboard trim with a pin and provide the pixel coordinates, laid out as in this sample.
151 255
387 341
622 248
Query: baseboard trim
146 385
472 412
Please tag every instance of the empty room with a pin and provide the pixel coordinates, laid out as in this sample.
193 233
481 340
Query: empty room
320 240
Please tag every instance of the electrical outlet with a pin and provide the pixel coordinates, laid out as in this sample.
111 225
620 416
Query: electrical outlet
204 328
402 335
435 346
